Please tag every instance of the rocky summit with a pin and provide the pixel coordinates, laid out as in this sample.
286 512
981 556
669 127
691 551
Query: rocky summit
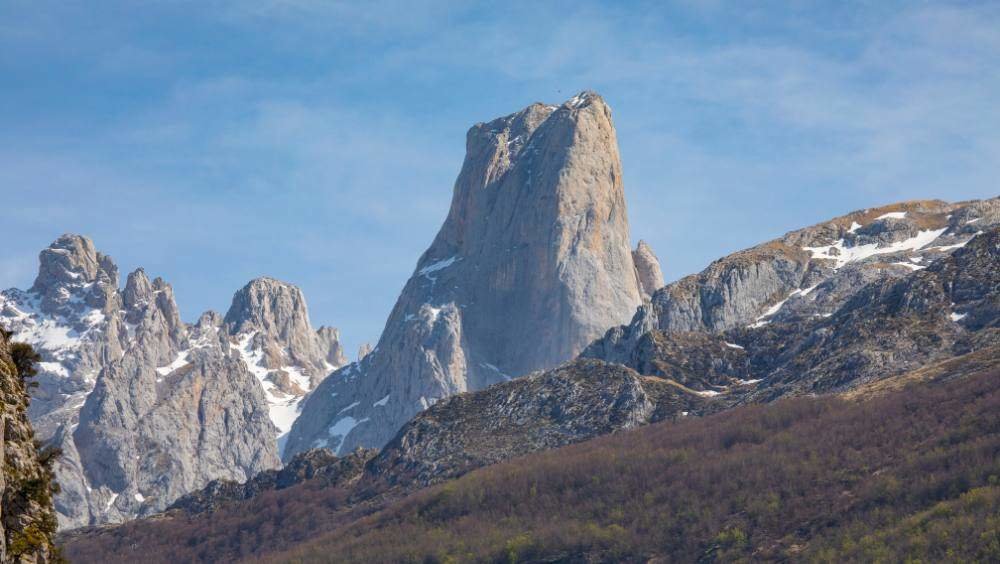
808 273
145 407
533 263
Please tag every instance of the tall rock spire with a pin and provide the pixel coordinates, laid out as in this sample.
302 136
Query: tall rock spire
531 265
647 269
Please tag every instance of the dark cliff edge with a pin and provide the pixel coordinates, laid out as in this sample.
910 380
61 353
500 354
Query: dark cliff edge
27 515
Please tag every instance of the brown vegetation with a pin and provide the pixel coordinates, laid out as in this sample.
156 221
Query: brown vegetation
911 473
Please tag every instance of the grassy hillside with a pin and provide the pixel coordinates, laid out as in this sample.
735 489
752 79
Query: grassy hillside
912 473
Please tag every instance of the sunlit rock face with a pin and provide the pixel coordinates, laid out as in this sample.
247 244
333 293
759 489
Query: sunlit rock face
533 262
146 407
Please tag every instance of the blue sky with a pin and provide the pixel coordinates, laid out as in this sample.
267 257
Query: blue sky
318 142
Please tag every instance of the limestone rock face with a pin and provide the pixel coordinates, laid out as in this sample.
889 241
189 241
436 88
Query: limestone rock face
276 311
145 407
330 347
268 322
908 326
532 263
809 273
574 402
647 269
175 430
363 351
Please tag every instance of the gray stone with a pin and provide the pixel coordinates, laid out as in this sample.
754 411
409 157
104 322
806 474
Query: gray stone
647 269
145 407
532 264
807 273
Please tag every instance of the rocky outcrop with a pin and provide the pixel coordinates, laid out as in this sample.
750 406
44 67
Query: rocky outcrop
148 438
317 464
647 269
578 401
268 322
274 315
532 263
363 351
891 327
27 516
807 273
145 407
333 351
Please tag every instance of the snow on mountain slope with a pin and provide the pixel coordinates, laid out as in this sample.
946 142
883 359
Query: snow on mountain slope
144 363
808 273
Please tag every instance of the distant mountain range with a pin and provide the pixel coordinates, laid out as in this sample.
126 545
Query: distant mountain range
146 407
530 324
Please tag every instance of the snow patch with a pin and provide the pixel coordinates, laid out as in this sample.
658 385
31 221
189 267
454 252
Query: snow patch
956 317
734 346
382 402
296 376
439 265
139 497
178 362
494 368
435 312
946 248
352 406
54 368
801 292
891 215
576 101
49 335
844 254
283 408
342 428
708 393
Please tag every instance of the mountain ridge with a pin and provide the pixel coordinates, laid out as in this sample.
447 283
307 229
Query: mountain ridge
122 378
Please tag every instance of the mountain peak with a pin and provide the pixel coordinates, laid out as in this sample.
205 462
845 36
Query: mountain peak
532 263
584 99
71 266
69 260
138 289
647 268
266 303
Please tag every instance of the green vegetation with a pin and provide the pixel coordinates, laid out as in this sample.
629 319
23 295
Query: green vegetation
911 475
28 518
